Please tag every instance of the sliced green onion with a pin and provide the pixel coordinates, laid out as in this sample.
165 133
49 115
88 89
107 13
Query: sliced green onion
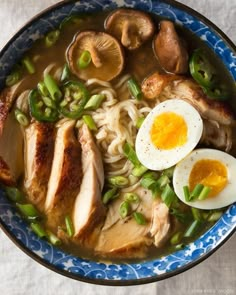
168 195
118 181
133 179
214 216
28 210
72 19
51 38
88 120
84 59
52 87
176 238
38 229
131 197
196 191
186 193
124 209
147 182
169 172
14 194
110 195
193 229
28 65
181 216
94 102
21 118
69 226
65 75
162 182
53 239
134 89
140 122
139 170
179 246
130 154
42 88
204 193
197 214
139 218
13 78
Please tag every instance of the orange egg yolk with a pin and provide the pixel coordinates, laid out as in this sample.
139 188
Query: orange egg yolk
210 173
169 131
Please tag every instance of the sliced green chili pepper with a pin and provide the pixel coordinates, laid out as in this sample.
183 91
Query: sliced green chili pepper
75 98
218 92
39 110
201 69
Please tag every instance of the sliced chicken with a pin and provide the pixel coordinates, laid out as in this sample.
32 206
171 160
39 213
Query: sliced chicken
65 178
89 211
11 150
39 145
160 223
11 140
124 237
190 91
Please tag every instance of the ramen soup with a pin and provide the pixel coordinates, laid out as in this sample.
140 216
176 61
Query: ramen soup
117 136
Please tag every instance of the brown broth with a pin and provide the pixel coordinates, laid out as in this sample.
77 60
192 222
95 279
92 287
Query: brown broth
139 63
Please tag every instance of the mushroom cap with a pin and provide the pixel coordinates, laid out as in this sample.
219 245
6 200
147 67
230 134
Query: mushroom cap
131 27
106 53
170 50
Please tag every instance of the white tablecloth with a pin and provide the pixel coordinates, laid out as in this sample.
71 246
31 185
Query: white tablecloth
20 275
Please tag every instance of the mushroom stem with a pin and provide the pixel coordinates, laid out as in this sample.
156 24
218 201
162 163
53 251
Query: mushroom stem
95 57
125 39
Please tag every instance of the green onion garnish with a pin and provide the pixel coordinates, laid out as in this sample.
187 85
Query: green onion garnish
124 209
131 197
38 229
168 195
169 172
13 78
130 153
110 195
65 75
84 59
139 218
51 38
176 238
139 170
193 229
52 87
28 65
134 89
118 181
88 120
140 122
196 192
53 239
28 210
214 216
179 246
14 194
69 226
186 193
197 214
21 118
94 102
204 193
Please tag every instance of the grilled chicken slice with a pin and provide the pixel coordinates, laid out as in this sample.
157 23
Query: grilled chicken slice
89 211
11 140
160 223
124 237
65 178
11 150
39 145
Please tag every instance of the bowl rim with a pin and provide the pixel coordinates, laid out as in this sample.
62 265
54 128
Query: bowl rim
109 282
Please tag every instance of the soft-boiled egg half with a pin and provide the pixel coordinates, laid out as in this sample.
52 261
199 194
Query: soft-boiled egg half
212 168
169 133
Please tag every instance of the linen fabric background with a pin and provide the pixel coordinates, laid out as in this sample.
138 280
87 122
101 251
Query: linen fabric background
20 275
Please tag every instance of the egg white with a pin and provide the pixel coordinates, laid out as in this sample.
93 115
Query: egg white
183 169
158 159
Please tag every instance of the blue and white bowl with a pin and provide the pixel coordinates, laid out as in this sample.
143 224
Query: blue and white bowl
107 273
